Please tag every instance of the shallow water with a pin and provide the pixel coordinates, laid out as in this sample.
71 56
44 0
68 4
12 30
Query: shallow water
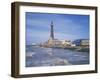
38 56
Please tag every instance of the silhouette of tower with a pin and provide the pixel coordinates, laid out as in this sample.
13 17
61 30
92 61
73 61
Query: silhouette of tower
52 31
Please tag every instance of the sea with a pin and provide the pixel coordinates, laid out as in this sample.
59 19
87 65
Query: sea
40 56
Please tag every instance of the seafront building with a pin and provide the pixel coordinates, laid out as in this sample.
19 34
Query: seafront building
81 42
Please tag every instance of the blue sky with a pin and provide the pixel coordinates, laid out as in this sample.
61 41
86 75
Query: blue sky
66 26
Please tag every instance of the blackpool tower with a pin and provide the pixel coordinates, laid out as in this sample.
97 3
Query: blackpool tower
52 31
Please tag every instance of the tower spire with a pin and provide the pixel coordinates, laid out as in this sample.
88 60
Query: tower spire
52 31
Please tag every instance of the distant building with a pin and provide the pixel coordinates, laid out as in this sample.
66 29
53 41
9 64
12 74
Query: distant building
58 43
66 42
73 45
85 42
54 42
81 42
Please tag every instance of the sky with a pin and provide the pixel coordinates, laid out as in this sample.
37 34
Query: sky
66 26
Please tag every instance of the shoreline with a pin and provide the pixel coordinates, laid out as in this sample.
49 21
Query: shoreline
76 48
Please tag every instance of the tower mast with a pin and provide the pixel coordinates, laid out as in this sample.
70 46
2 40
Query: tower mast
52 31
